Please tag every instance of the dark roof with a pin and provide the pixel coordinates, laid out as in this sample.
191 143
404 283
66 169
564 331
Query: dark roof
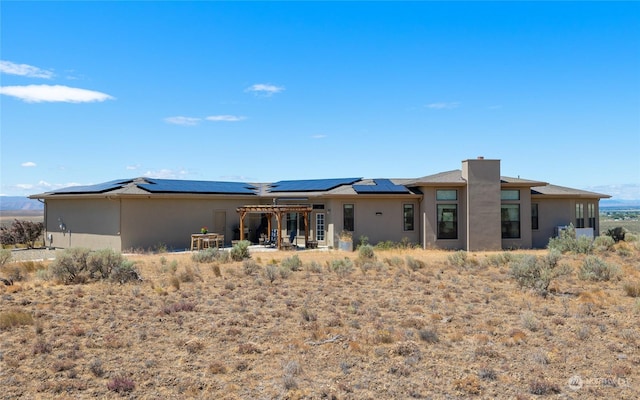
310 185
98 188
561 191
380 186
183 186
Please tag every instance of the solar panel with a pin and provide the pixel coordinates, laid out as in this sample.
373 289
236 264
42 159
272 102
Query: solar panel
381 186
184 186
98 188
311 185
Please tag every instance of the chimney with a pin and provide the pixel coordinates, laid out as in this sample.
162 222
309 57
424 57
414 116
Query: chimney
480 157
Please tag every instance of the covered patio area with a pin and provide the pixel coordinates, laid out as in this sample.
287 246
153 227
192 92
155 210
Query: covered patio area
279 211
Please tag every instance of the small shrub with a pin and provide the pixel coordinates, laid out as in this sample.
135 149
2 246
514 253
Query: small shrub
315 267
125 272
603 243
596 269
284 272
96 367
70 265
395 261
240 251
121 384
414 264
500 259
530 322
271 272
342 267
428 335
216 270
365 252
538 272
542 387
293 263
21 232
206 256
568 242
458 258
250 267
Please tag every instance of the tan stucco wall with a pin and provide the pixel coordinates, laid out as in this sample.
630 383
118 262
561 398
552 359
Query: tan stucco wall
388 225
149 222
559 212
93 224
524 242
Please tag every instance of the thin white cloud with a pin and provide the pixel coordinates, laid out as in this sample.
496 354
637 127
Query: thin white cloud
225 118
166 174
320 136
10 68
28 164
443 105
132 167
54 94
186 121
264 89
44 186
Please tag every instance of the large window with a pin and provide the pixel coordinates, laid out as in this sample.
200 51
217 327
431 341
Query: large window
408 219
591 209
579 215
348 217
510 218
534 216
447 221
292 222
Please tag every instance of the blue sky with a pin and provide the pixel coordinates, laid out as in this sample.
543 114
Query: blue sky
268 91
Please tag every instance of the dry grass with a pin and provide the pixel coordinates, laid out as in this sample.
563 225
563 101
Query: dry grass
384 329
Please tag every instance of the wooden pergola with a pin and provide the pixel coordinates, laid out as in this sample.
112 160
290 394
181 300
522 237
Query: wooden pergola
278 211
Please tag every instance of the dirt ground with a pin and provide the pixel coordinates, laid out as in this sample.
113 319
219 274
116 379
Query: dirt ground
407 324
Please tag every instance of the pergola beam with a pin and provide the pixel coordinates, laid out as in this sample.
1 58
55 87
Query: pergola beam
278 211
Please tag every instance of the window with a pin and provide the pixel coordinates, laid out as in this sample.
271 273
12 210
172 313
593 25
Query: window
447 221
510 218
292 222
320 226
407 214
348 215
534 216
579 215
509 194
591 209
446 194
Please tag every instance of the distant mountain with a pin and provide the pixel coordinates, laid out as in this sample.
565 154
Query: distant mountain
613 203
10 203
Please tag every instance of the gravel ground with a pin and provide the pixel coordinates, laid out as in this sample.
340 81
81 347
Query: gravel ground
33 254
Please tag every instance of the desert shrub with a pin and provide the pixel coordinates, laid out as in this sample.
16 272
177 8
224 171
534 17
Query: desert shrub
542 387
342 267
458 258
70 265
617 234
394 261
567 242
21 232
293 263
206 256
121 384
385 245
596 269
500 259
240 251
428 335
101 262
414 263
314 266
79 265
271 272
250 267
632 289
11 319
538 272
285 272
603 243
125 272
5 256
365 252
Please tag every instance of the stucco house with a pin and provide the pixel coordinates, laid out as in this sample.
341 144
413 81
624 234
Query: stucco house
473 208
